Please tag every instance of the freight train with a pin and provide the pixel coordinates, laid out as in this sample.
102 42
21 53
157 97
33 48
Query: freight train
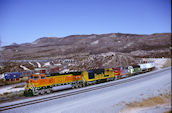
41 83
16 77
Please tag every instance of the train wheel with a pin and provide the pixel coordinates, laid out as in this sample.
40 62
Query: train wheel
76 86
80 85
83 85
107 80
30 92
115 78
118 78
42 91
48 90
25 93
35 93
73 86
94 83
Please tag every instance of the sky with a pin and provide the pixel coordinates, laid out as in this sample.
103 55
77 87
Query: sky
24 21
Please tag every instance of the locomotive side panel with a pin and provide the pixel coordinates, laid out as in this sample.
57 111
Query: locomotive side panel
94 76
54 80
108 73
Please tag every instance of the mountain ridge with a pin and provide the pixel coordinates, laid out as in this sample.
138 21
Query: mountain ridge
93 44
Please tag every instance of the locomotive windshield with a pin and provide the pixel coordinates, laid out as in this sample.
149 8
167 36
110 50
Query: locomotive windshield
34 77
42 77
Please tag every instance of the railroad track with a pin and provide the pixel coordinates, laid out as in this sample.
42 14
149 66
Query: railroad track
8 107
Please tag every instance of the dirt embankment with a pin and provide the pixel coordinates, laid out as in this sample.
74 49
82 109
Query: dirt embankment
158 104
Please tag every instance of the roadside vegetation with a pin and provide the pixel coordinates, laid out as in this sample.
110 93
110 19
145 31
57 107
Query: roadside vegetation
156 102
167 63
11 96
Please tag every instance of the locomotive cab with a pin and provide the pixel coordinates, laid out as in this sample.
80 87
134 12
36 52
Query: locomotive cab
37 77
117 70
32 82
34 77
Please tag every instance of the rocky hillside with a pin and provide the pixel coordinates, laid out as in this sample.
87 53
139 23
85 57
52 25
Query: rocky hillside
82 52
154 45
74 62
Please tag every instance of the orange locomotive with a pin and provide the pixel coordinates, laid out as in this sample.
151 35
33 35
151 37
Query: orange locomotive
40 83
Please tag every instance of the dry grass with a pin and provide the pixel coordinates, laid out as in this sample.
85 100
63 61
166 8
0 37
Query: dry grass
2 82
168 111
153 101
10 96
168 63
162 101
13 94
6 93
